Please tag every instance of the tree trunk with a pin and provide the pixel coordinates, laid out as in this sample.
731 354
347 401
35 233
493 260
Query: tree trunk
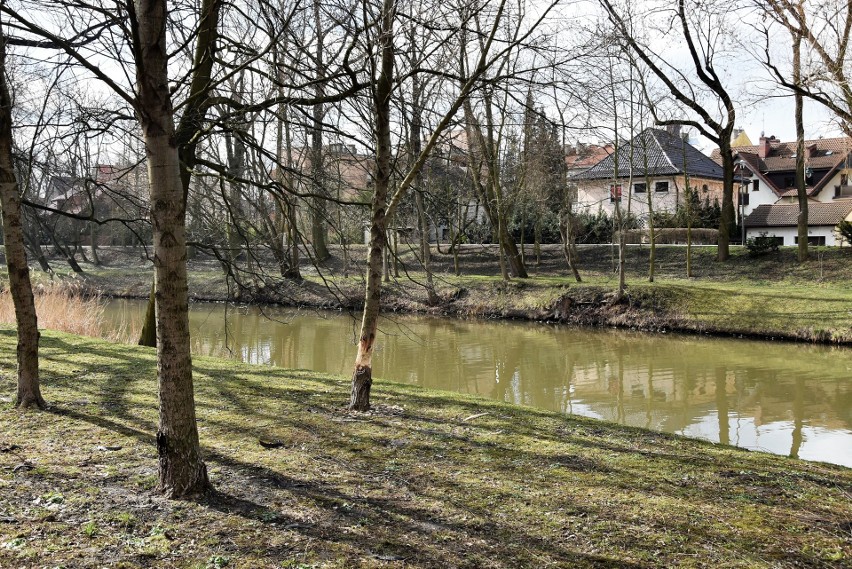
362 377
148 335
192 121
181 470
319 237
93 246
801 190
726 222
416 146
569 248
20 287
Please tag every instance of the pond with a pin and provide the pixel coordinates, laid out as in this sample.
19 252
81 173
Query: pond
784 398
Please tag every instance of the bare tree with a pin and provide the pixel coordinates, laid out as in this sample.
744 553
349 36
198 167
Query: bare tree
715 117
20 287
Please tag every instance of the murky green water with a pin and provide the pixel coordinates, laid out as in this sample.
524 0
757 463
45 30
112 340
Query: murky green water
783 398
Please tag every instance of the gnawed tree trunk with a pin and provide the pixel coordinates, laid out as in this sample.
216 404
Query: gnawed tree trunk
181 470
20 287
362 378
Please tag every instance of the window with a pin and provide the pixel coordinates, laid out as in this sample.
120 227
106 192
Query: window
755 185
816 240
614 193
661 187
640 188
743 199
704 188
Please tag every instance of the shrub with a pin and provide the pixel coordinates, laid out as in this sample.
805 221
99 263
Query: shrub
761 245
845 229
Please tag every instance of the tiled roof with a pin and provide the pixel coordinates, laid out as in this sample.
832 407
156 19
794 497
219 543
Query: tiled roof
667 154
587 155
782 155
780 215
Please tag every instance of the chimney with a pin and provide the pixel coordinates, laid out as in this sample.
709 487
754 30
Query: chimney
764 147
673 129
811 150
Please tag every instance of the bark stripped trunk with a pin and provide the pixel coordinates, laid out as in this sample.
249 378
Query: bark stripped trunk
20 287
362 378
181 470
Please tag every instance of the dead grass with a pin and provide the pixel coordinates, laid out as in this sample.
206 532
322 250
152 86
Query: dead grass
70 307
428 479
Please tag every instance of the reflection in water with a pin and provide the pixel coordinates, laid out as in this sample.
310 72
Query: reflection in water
788 399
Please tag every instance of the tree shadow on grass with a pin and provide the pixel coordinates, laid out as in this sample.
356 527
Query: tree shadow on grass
391 521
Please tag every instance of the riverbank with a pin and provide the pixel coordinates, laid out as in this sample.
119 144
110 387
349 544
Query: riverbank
428 479
771 296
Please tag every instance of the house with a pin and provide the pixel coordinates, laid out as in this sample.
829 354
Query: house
655 162
781 221
767 171
769 200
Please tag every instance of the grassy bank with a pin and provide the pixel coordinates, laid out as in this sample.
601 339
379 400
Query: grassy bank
428 479
771 296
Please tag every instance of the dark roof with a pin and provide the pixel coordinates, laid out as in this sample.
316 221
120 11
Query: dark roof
667 154
780 215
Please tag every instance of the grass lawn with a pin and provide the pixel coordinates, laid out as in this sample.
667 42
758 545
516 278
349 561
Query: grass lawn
427 479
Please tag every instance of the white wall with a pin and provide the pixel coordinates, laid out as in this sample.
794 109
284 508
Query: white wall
594 195
763 196
790 233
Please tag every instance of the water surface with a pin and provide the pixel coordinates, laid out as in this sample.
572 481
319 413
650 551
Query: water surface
784 398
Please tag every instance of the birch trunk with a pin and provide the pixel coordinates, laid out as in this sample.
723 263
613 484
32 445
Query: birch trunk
181 470
20 287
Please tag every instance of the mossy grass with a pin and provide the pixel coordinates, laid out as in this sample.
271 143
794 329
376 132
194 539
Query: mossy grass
426 479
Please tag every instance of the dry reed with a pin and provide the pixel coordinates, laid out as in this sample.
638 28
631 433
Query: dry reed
63 307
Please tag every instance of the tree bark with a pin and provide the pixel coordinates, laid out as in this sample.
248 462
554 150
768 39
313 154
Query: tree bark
319 237
726 222
182 471
417 186
801 190
191 122
20 287
362 377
